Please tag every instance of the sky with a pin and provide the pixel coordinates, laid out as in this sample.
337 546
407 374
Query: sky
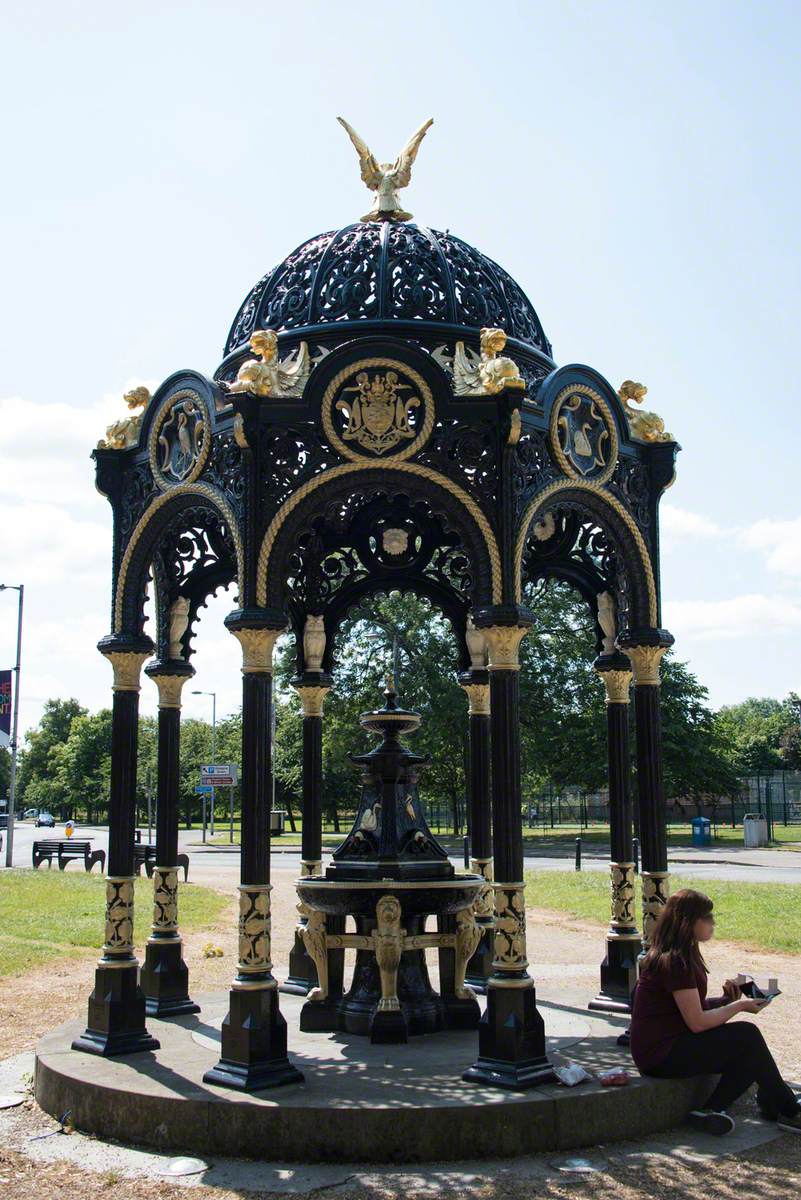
634 166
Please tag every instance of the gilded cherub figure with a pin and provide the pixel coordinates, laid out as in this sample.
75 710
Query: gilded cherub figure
267 375
647 426
123 434
489 374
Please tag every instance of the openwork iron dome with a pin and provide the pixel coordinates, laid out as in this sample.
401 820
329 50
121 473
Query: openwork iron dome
387 415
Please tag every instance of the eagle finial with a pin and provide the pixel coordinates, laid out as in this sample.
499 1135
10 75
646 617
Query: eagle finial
386 179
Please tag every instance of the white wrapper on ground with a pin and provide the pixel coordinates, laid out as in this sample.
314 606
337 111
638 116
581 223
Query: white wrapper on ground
571 1074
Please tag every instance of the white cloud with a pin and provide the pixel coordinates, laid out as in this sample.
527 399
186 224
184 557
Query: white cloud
679 524
780 541
737 617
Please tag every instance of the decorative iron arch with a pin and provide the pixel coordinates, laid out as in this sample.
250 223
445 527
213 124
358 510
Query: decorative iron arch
165 513
463 514
619 525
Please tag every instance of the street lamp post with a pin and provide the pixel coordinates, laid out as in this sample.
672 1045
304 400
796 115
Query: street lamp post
12 790
213 741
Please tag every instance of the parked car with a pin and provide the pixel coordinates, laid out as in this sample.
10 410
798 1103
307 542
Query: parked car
30 814
46 818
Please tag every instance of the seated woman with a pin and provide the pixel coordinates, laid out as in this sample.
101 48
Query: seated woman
677 1032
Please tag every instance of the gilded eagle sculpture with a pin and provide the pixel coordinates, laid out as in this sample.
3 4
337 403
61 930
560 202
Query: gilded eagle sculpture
387 179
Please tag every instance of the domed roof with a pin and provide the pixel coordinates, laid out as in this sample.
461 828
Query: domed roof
380 272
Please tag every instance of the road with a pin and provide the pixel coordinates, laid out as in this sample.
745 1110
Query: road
220 866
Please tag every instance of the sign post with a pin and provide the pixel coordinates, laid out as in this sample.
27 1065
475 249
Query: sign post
204 791
214 775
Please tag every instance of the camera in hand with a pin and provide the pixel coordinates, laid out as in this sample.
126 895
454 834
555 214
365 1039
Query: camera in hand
764 991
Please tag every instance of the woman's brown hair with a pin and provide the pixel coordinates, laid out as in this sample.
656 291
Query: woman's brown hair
673 941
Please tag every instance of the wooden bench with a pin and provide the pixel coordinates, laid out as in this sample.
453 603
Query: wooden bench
62 851
145 856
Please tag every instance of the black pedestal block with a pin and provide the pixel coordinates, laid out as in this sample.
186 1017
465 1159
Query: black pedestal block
116 1023
511 1042
618 976
302 975
253 1044
164 979
479 967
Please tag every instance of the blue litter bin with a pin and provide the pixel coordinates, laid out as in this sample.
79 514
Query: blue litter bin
702 831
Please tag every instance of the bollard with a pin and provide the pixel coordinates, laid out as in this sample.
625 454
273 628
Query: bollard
466 851
578 853
635 846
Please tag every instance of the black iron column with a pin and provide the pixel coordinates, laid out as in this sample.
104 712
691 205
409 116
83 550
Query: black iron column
479 802
302 971
619 967
116 1023
164 977
645 654
511 1043
254 1031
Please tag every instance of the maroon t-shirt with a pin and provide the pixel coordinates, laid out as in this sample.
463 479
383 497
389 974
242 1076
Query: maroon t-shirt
656 1019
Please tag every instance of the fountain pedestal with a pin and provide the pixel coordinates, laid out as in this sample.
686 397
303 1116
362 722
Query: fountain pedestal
390 876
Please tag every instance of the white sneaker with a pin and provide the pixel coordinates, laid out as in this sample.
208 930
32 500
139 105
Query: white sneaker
705 1120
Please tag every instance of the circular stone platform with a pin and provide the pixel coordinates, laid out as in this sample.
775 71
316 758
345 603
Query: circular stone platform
359 1102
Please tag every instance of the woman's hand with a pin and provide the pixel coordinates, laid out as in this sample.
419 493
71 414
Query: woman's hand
750 1006
732 990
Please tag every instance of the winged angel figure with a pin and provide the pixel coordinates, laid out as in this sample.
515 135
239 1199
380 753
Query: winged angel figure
386 179
267 375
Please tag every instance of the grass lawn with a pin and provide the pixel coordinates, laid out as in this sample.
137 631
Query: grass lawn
766 916
47 913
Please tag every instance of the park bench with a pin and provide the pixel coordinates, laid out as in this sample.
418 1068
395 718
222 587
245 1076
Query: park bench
145 856
62 851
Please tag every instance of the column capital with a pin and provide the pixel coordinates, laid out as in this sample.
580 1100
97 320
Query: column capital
503 645
257 649
127 668
312 698
617 684
169 688
478 697
645 662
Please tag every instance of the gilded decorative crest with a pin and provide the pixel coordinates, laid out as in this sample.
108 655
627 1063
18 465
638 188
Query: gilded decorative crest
378 408
180 439
583 434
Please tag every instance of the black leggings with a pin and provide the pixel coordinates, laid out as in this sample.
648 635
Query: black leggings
737 1052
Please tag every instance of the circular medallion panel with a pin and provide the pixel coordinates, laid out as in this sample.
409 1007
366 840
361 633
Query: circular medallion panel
180 439
377 409
583 434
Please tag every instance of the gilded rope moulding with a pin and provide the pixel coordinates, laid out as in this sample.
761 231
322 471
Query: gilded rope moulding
583 434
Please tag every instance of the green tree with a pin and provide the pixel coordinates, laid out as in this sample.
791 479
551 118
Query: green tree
760 735
53 730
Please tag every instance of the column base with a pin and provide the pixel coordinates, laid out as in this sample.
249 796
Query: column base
618 976
461 1012
388 1027
479 968
116 1020
164 979
302 975
511 1042
253 1044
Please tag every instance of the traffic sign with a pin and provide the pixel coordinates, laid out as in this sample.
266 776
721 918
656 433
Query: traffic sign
218 775
203 790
